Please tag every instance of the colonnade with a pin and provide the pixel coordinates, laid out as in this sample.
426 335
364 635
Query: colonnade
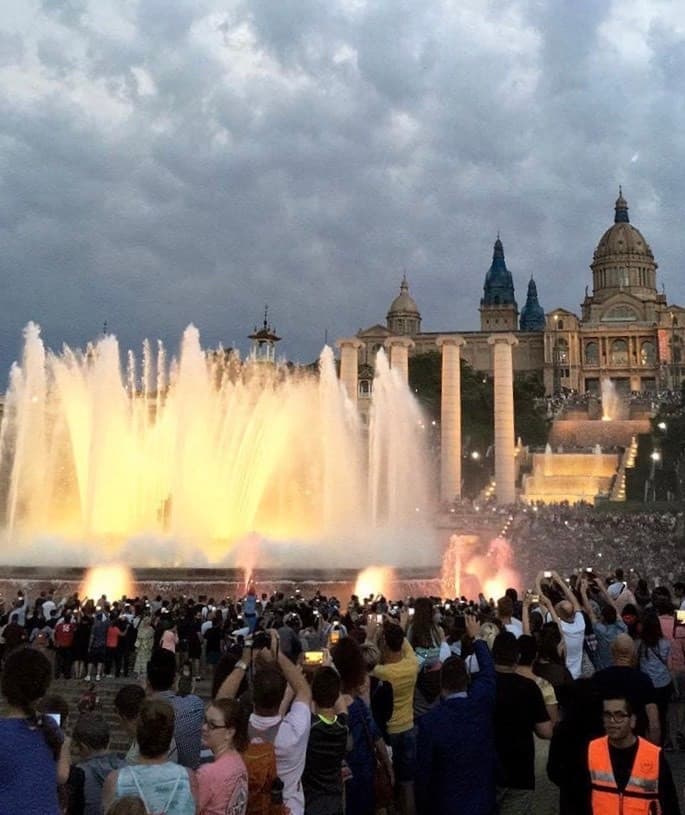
450 417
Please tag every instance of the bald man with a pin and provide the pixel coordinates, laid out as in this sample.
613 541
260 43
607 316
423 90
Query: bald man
623 680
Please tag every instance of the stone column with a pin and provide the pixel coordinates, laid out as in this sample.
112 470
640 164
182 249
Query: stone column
349 365
399 355
505 461
450 417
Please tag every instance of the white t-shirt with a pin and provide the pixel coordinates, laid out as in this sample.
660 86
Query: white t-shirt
515 626
574 636
291 750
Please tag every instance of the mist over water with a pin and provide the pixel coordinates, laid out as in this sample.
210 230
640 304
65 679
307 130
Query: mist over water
206 460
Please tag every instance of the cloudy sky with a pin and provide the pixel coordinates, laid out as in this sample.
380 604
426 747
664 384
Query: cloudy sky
169 161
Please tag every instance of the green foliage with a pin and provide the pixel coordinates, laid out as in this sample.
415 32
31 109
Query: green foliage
477 402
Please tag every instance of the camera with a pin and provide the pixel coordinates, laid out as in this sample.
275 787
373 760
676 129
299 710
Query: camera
261 639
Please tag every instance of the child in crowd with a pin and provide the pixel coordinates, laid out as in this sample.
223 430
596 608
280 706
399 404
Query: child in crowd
322 776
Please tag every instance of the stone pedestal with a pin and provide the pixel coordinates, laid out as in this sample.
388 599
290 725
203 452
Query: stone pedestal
399 355
450 417
505 452
349 365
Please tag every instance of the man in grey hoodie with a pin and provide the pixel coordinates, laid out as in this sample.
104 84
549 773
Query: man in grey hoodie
91 738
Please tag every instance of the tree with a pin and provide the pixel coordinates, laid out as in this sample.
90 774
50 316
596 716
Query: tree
477 422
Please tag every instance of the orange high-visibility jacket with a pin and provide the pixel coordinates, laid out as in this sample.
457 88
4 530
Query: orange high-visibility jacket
641 795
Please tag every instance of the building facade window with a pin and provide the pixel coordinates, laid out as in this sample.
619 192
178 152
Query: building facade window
591 353
648 354
619 353
562 352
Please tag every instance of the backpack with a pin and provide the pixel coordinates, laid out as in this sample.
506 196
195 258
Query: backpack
260 760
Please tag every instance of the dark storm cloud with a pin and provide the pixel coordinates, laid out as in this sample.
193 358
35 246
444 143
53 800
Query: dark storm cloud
167 162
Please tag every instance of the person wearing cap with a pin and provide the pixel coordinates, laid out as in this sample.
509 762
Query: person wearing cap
619 594
606 623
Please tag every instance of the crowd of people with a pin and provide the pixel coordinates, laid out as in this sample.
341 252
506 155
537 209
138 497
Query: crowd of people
420 705
577 536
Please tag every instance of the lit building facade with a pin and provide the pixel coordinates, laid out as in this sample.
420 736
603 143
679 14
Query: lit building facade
626 330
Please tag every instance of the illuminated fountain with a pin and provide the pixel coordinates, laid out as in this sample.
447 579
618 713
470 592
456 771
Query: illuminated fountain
206 460
612 404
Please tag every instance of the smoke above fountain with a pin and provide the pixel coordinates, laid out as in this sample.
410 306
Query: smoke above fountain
176 461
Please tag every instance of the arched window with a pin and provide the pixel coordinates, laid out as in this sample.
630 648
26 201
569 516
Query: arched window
364 388
619 353
648 354
591 353
677 349
561 355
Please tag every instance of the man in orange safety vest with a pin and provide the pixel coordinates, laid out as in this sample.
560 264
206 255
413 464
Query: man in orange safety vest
628 774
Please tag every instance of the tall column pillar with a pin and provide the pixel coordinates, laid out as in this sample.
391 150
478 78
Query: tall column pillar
399 355
450 417
505 461
349 365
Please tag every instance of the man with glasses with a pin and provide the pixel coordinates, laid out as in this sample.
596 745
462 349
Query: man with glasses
628 774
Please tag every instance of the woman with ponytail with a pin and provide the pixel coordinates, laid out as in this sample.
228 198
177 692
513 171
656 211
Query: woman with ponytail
36 758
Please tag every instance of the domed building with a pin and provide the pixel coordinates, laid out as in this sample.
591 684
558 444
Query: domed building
626 330
404 318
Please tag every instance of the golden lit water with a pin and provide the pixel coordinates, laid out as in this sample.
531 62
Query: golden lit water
204 451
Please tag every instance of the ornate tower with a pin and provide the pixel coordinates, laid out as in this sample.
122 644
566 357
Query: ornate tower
533 315
404 317
264 341
498 308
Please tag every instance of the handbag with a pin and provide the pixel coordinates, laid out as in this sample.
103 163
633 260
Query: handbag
383 791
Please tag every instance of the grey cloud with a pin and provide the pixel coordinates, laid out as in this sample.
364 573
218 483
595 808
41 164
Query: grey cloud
359 142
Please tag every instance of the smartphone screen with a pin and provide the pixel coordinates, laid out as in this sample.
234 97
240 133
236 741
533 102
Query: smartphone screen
411 612
335 636
56 717
379 618
547 574
680 616
313 657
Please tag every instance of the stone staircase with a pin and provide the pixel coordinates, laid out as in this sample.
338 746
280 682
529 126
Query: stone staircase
107 689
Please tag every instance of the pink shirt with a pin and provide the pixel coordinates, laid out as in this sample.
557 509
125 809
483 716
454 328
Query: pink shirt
675 634
223 786
169 640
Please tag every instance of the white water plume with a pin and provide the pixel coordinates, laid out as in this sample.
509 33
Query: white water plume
200 453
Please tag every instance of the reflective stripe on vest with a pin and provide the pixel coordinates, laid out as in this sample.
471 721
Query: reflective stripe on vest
642 790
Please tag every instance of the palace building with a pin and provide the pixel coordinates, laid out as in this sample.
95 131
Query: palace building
626 330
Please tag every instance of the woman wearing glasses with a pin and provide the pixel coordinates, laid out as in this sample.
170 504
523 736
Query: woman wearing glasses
223 783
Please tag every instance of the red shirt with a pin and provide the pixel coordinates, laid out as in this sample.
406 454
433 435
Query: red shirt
113 635
64 635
